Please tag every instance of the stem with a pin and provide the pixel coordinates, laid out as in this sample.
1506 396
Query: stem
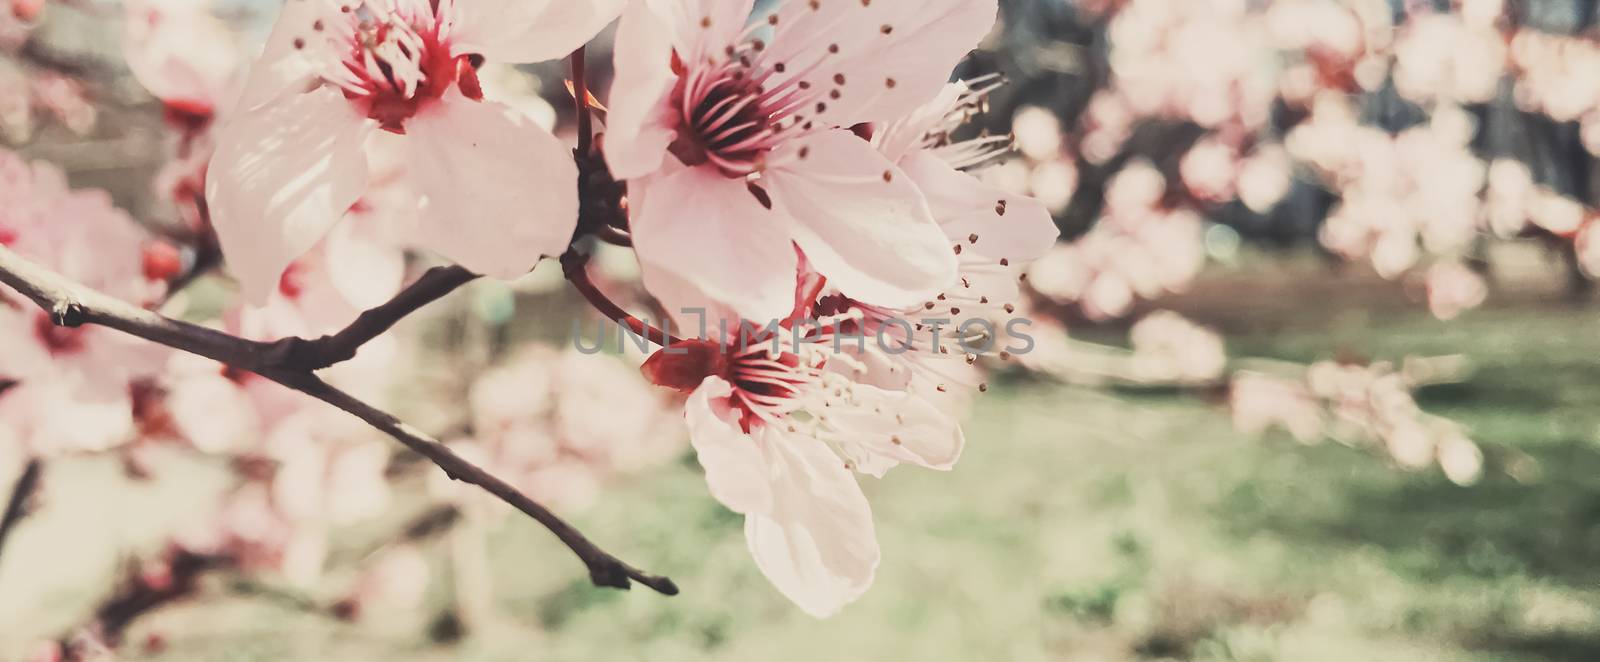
71 304
309 355
575 266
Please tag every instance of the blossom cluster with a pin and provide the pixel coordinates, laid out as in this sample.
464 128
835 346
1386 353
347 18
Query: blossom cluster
805 166
1356 405
1407 118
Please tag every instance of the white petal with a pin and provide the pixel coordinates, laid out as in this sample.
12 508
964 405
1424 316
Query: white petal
285 68
521 31
901 427
874 239
818 546
639 118
703 28
282 175
711 232
915 43
502 192
736 473
1012 227
362 264
214 414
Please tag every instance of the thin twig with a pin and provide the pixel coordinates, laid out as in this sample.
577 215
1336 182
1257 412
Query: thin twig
308 355
22 492
575 266
71 304
139 595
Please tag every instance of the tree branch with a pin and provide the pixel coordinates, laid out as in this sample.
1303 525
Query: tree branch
575 266
71 304
309 355
22 491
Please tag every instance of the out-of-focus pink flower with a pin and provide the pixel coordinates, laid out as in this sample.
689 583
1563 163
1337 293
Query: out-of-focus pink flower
183 55
397 579
72 385
1139 249
560 424
1454 289
66 99
1260 402
498 189
1169 347
736 144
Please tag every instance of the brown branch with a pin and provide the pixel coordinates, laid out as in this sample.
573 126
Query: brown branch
71 304
575 266
22 492
139 595
307 355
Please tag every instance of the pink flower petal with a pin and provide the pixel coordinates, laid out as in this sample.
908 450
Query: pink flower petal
639 124
1012 227
862 222
736 472
818 545
702 28
282 176
502 192
903 428
710 231
292 56
914 43
520 31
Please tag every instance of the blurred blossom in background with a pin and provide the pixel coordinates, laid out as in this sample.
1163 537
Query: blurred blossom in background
1315 372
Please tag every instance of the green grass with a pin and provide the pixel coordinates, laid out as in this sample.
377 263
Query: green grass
1084 525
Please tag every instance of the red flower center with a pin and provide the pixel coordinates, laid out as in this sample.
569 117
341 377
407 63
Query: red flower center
763 381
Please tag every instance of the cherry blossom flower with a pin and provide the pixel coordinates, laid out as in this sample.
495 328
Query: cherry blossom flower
72 386
779 425
560 424
1138 249
1169 347
1359 405
183 55
734 141
994 234
1453 289
498 191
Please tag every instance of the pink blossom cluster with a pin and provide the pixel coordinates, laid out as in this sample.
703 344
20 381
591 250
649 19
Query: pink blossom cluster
70 390
1358 405
559 424
1413 202
793 166
1139 249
